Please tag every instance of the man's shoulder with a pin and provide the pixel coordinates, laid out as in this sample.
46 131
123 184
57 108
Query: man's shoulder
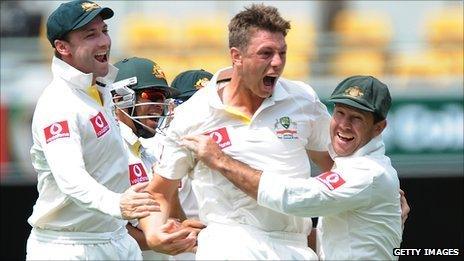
298 88
374 166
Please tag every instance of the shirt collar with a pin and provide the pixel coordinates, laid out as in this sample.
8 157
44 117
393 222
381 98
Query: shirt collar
131 139
374 146
127 134
78 79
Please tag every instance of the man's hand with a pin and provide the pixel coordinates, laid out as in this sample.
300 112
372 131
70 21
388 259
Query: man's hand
205 150
136 203
404 208
172 238
193 223
196 226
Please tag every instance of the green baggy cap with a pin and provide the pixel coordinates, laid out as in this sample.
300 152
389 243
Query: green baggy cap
73 15
363 92
190 81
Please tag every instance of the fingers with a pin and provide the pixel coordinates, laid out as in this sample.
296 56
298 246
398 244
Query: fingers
189 144
405 209
170 226
139 186
139 212
180 246
193 223
180 234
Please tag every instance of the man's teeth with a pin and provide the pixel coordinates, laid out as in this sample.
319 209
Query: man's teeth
345 137
101 57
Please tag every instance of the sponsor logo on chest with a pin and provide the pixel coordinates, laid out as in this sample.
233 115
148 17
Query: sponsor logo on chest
137 173
56 130
285 128
221 137
100 125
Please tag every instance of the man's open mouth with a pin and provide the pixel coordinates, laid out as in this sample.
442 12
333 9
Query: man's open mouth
345 138
102 57
269 80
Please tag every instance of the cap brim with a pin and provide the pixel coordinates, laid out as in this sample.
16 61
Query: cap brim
105 13
351 103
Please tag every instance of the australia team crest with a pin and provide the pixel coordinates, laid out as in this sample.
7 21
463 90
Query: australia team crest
286 129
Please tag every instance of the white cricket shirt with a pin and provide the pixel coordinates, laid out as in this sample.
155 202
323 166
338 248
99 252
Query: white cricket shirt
78 154
358 200
284 127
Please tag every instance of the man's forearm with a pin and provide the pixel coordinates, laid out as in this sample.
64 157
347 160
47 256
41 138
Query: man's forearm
138 235
176 208
240 174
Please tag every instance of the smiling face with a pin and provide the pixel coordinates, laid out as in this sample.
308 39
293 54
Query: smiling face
87 49
262 62
151 104
351 129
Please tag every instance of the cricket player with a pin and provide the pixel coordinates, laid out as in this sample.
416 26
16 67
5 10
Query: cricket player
257 117
188 83
140 94
358 200
84 198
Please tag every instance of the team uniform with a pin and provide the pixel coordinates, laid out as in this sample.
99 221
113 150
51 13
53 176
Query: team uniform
77 154
140 170
286 125
358 199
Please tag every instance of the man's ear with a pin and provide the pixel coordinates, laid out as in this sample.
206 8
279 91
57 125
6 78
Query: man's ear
62 47
236 56
379 127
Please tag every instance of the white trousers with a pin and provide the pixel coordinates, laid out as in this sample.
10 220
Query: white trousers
61 245
242 242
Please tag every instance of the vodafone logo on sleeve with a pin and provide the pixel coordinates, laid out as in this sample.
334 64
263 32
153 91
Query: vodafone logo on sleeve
56 130
100 125
331 179
137 173
221 137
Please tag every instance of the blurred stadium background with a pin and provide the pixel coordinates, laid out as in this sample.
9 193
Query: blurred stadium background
416 47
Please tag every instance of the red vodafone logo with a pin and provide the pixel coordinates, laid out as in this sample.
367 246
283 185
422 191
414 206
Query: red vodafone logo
331 179
221 137
137 173
100 125
56 130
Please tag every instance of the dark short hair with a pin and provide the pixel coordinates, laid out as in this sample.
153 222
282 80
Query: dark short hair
255 17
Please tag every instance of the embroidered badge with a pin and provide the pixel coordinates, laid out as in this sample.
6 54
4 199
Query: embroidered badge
100 125
354 91
56 130
137 173
201 83
286 129
221 137
158 72
331 180
87 7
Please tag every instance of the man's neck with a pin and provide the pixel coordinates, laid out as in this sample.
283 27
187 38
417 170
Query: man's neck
234 94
